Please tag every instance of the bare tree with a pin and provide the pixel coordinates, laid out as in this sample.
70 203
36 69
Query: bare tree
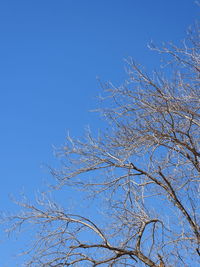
144 171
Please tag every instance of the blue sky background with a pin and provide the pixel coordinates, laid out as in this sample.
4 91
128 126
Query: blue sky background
50 55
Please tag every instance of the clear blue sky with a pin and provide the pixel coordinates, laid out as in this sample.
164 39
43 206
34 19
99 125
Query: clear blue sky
51 52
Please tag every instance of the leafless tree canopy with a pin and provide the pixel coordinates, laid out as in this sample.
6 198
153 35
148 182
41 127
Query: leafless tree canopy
142 174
